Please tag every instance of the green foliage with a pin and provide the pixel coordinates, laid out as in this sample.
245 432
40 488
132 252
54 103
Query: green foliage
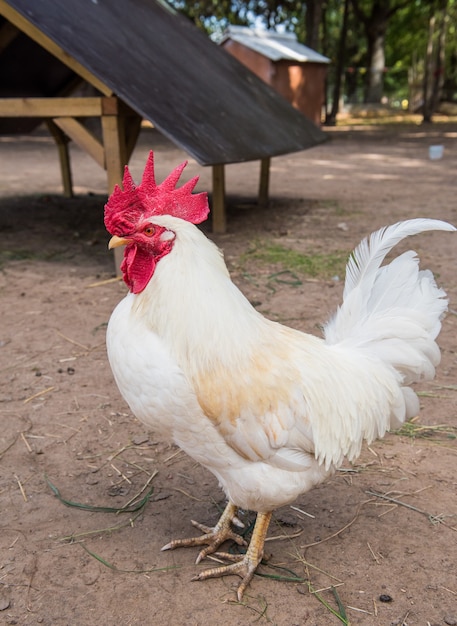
214 16
405 39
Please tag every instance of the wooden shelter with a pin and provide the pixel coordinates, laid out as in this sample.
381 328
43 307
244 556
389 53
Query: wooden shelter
292 69
143 61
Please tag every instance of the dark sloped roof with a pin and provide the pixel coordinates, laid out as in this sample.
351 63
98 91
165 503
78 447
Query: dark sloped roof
168 71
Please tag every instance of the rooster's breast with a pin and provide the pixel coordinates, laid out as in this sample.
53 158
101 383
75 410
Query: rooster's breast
149 379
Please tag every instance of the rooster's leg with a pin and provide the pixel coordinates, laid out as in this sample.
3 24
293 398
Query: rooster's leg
212 537
247 564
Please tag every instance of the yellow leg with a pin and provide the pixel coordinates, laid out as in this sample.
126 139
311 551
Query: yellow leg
212 537
247 564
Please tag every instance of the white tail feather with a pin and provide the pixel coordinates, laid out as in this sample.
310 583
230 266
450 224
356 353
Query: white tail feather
371 252
390 316
376 297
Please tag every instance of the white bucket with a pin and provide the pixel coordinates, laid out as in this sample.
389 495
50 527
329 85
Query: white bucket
435 152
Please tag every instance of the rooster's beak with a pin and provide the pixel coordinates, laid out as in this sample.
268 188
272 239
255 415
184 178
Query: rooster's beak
116 241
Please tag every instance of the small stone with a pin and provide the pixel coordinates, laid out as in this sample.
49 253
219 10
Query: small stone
139 439
384 597
450 620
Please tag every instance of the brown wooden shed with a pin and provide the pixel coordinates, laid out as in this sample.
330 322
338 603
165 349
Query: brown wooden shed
292 69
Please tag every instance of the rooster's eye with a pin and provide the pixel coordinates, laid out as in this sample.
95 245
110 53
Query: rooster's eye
149 231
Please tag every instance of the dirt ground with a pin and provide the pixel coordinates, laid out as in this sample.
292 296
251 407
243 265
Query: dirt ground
341 549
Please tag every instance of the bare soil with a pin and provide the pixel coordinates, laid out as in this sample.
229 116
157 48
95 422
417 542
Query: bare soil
386 561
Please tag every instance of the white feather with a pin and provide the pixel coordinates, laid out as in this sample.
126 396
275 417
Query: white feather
392 316
371 252
372 291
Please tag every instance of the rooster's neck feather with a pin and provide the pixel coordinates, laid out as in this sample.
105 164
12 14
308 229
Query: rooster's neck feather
191 301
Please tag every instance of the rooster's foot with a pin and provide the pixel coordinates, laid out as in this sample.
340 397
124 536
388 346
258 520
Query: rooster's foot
212 537
244 565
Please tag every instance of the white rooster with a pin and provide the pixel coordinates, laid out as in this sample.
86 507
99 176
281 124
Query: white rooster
269 410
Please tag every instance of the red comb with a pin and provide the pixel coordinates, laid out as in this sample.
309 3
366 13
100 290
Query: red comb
125 207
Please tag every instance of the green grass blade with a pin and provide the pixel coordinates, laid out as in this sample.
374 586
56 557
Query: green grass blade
100 509
126 571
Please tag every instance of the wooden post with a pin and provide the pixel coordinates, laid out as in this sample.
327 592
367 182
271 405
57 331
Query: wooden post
113 143
115 156
264 181
62 140
219 217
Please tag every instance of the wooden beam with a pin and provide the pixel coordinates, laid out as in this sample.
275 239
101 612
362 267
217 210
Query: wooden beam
50 107
219 217
64 157
132 130
48 44
111 106
115 160
115 154
8 33
82 137
264 181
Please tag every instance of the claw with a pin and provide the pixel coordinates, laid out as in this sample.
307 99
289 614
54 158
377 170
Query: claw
243 565
212 537
237 522
245 568
202 527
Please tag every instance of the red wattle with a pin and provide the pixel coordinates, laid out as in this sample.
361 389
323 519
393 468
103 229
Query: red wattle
137 268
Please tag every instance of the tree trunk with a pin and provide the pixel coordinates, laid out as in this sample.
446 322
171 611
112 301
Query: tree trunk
374 82
376 24
435 61
339 70
313 18
428 71
438 75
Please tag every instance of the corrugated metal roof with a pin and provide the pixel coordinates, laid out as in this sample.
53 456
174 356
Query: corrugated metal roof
172 74
273 45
